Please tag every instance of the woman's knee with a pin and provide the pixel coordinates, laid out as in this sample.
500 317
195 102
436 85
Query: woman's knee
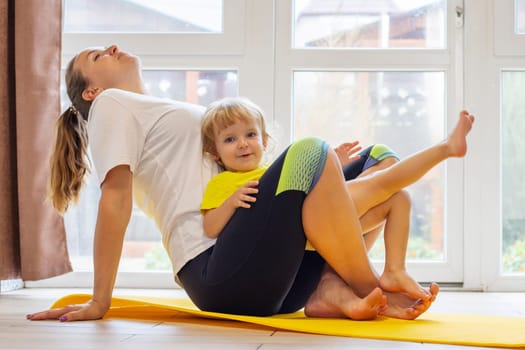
388 162
380 165
303 165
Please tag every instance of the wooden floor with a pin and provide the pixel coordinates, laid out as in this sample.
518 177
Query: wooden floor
190 333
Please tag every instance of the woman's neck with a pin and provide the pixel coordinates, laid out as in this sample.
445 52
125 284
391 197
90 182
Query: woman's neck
138 88
135 83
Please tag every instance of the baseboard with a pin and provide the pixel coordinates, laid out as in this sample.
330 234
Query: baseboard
10 285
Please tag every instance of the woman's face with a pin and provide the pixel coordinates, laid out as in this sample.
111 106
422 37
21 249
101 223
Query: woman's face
108 68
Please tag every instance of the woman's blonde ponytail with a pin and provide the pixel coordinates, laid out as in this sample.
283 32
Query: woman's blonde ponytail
69 157
69 162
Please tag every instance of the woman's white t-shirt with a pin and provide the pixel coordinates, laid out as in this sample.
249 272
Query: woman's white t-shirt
160 140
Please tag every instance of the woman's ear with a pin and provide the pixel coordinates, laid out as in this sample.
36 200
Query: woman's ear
90 93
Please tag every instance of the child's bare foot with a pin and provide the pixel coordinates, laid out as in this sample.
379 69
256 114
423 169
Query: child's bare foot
402 306
456 141
333 298
399 281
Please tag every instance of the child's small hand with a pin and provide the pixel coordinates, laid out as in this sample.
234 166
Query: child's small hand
245 195
346 152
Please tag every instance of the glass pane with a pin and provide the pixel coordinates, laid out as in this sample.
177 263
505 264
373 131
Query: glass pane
143 249
138 16
519 6
404 110
513 172
200 87
369 24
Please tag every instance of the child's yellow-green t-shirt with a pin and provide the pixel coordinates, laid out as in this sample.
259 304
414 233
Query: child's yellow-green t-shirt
225 184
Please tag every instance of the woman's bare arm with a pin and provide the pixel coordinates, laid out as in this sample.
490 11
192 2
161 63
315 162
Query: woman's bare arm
115 205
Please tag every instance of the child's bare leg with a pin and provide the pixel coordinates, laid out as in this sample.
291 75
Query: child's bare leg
396 210
374 223
372 235
371 190
393 217
397 229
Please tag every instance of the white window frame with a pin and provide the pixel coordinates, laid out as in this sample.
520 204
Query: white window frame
485 58
506 41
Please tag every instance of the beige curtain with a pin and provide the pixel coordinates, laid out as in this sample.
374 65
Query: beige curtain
32 237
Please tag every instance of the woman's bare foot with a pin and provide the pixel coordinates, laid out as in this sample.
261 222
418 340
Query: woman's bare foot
398 281
333 298
404 307
456 141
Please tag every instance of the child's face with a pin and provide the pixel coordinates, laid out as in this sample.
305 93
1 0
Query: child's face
240 146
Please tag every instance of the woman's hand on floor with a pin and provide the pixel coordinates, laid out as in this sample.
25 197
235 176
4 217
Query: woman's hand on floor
92 310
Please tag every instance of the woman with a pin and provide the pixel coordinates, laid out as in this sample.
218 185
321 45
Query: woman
149 149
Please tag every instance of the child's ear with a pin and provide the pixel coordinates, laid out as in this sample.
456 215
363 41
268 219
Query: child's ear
215 158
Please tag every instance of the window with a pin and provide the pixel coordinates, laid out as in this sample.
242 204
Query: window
368 24
513 172
509 27
135 16
520 16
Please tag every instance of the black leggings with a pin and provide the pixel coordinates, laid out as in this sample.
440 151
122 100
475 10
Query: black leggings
259 265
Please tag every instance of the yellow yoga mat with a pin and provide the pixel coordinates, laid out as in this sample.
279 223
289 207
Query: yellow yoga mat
456 329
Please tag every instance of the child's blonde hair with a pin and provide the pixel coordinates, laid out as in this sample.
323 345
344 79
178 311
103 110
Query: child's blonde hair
224 113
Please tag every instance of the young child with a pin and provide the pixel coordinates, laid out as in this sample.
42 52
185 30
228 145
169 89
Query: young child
234 134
